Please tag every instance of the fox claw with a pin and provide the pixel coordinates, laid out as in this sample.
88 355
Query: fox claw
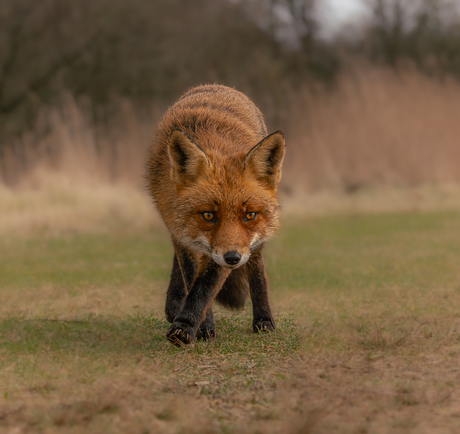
180 334
264 325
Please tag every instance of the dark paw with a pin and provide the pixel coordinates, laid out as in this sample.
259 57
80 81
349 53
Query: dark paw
180 334
264 325
206 333
207 329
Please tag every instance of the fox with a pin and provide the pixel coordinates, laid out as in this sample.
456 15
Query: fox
213 172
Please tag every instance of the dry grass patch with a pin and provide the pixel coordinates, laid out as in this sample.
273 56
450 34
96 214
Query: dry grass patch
348 393
57 204
116 375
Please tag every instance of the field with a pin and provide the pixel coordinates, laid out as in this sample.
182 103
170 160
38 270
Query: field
368 340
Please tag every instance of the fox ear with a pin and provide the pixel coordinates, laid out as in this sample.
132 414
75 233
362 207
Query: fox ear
265 159
188 160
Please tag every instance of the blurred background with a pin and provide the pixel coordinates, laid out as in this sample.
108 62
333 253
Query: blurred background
366 92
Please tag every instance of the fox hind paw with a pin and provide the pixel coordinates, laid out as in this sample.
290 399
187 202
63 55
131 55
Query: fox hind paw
207 330
205 334
263 325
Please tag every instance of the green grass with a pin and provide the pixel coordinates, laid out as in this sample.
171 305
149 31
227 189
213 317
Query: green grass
368 316
76 262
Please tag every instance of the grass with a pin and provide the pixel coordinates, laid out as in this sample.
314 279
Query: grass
368 334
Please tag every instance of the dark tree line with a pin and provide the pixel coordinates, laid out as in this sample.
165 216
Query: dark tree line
152 51
425 32
146 51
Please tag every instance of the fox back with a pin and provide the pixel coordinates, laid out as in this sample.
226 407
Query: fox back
213 173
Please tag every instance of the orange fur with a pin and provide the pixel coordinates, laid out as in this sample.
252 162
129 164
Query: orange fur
226 126
213 174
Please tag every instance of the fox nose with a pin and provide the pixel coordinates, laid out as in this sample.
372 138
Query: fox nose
232 257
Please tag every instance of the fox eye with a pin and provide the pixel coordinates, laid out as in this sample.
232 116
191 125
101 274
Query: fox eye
250 216
208 216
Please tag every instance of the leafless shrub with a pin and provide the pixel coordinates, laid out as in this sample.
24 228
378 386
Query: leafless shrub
425 32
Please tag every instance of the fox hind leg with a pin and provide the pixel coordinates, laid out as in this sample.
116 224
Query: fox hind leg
233 295
235 290
258 284
176 292
207 329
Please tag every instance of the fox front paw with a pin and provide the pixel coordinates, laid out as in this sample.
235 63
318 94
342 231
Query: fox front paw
263 325
180 334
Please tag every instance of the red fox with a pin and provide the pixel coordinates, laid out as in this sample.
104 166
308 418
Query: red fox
213 172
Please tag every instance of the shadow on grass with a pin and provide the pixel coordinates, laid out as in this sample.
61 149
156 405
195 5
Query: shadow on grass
84 335
98 336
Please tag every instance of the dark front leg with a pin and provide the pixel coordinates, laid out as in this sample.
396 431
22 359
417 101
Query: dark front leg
209 279
258 285
176 292
182 276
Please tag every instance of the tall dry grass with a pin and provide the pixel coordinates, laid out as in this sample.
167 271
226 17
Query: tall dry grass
71 176
378 127
66 141
391 139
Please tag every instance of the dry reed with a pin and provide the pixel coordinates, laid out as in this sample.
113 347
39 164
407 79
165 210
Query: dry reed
390 139
378 127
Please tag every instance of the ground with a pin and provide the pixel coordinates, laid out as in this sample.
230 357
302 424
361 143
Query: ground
368 340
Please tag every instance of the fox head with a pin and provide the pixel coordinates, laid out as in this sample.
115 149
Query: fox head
226 201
